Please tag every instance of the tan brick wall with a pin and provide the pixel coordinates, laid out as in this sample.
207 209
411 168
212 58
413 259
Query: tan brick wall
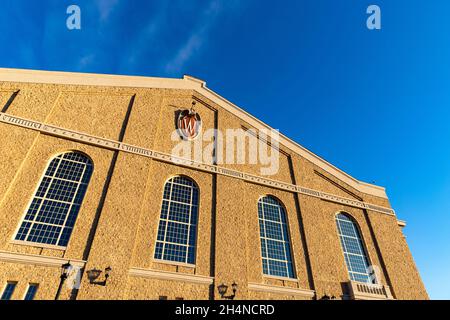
46 277
228 244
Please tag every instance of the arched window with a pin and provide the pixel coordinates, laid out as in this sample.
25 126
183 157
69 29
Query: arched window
354 253
275 244
177 229
53 211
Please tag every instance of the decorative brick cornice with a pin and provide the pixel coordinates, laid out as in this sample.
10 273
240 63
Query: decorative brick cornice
164 157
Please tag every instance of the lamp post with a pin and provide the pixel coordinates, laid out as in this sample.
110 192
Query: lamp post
65 269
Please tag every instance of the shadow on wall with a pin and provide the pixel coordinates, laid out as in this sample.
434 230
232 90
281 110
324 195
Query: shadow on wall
10 101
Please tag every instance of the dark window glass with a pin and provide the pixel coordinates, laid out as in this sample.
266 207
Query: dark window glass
177 229
31 292
354 252
9 290
275 243
55 206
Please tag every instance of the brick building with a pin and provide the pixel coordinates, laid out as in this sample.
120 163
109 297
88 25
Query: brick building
88 179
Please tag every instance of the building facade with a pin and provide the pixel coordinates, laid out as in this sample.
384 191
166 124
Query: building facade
89 181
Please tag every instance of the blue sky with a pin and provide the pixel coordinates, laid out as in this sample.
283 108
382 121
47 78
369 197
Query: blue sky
374 103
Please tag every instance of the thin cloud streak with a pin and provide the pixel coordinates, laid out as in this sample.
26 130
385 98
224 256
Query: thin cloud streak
85 61
196 40
185 53
105 8
146 39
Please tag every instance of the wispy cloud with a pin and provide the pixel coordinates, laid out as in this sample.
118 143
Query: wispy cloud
193 44
145 39
85 61
106 7
197 38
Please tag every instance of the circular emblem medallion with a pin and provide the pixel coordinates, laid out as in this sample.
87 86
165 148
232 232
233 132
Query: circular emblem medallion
189 124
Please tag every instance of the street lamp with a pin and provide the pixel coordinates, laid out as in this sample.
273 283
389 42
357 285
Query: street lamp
234 286
107 271
327 297
224 288
95 273
65 270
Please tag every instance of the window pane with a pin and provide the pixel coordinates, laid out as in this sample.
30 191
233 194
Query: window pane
31 292
273 230
177 233
65 236
275 245
354 252
175 252
53 211
357 263
177 229
9 290
271 212
279 268
44 233
180 212
275 250
352 245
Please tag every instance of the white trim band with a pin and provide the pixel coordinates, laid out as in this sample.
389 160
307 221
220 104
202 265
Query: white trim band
37 260
170 276
281 290
164 157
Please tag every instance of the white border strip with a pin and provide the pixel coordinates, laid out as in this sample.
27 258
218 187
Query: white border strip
164 157
38 260
281 290
171 276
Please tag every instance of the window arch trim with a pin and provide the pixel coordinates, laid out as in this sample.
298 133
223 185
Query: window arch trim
77 199
287 239
160 257
362 243
184 176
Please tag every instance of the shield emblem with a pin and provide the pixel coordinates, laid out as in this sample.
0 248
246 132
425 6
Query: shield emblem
189 124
